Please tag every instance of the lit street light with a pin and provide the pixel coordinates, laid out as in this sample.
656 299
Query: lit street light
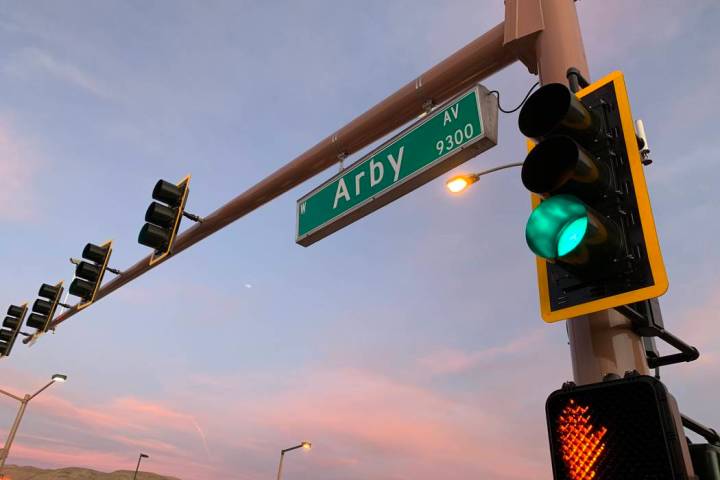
142 455
303 445
459 183
57 378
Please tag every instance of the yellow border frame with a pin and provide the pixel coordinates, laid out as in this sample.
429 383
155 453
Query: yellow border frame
657 266
100 277
51 313
168 251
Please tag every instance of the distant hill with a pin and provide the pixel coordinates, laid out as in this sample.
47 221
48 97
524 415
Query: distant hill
13 472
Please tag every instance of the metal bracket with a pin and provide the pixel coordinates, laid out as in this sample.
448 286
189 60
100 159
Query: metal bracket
576 79
707 433
428 106
341 158
647 322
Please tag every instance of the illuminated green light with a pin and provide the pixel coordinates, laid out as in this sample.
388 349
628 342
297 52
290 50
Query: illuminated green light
571 235
557 226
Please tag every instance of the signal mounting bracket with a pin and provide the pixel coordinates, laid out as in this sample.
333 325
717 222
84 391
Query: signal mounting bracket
647 322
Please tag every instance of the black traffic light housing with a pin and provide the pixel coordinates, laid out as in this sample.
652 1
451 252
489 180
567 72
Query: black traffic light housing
592 228
11 327
628 428
163 217
89 272
43 310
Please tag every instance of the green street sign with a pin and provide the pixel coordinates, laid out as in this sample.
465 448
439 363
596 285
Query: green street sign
454 133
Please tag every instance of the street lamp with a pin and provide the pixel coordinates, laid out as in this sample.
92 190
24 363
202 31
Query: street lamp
142 455
57 378
460 183
304 445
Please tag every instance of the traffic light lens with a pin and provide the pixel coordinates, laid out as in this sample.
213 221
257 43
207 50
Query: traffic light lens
572 235
557 226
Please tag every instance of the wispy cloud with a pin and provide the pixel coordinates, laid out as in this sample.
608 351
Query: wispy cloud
449 360
32 61
18 168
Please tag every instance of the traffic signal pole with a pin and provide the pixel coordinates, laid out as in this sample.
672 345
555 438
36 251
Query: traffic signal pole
476 61
602 342
545 36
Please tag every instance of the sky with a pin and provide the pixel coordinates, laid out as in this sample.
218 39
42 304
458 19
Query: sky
409 344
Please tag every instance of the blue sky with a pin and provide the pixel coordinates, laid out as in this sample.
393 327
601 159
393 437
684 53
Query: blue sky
393 344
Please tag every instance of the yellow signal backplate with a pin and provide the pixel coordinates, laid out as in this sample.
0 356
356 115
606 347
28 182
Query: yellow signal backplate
657 266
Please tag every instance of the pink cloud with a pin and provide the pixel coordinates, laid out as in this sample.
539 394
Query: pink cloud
363 424
448 360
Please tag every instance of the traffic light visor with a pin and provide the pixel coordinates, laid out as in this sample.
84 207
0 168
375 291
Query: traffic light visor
557 226
82 288
153 236
168 193
95 253
36 321
11 322
554 110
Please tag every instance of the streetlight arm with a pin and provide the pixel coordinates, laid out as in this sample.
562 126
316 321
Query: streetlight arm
41 390
495 169
282 452
19 399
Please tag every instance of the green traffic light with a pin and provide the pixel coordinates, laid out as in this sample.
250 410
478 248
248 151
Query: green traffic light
571 236
557 226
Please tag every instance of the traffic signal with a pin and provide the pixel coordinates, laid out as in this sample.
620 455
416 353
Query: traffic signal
163 217
89 272
43 310
11 327
626 429
592 228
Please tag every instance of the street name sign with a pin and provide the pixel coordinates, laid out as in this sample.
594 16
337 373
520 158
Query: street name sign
455 132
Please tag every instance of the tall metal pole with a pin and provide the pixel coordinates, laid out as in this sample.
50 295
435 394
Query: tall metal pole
142 455
477 60
23 404
603 342
282 456
13 430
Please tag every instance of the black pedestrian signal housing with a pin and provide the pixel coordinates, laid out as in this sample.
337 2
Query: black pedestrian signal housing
163 217
592 228
620 429
43 310
89 272
11 327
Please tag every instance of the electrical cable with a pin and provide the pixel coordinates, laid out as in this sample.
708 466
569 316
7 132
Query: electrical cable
497 92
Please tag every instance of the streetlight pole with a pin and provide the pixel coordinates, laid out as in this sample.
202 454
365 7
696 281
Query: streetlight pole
21 411
142 455
304 445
